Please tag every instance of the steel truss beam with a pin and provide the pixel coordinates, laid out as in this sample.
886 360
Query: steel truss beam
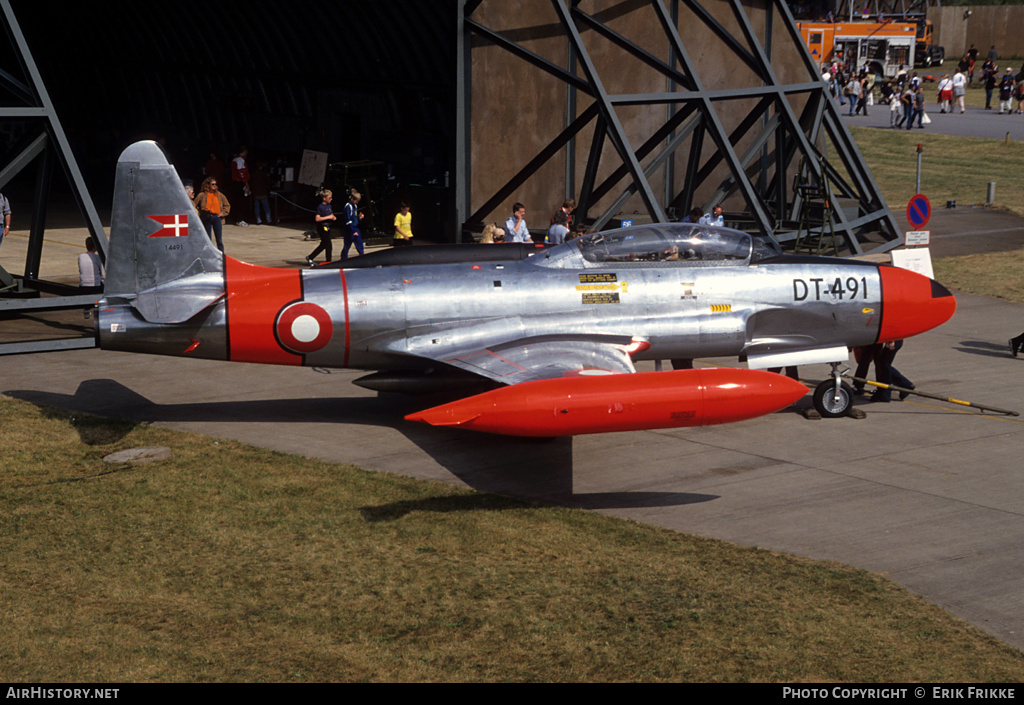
780 145
910 9
46 146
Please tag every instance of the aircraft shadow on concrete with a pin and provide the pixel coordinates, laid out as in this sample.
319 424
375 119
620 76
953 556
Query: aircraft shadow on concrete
535 469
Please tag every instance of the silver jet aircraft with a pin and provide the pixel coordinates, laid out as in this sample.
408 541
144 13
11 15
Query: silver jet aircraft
539 342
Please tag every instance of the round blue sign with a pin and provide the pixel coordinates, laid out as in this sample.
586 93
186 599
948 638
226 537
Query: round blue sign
919 210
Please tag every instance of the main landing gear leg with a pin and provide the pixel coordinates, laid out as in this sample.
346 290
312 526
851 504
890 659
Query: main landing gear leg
833 397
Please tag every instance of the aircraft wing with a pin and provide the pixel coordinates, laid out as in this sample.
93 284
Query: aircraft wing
547 357
550 393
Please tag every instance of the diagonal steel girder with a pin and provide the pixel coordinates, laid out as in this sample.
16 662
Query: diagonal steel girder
716 130
615 131
794 136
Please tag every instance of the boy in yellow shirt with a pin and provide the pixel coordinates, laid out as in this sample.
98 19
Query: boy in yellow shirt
403 226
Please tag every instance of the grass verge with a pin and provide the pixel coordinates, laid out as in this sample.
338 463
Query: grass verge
953 168
230 563
998 274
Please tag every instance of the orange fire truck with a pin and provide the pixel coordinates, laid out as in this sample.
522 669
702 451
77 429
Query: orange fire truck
882 46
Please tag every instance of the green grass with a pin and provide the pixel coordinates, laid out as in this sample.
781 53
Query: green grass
230 563
998 274
952 168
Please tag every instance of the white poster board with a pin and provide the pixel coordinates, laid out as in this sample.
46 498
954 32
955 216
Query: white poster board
313 169
917 260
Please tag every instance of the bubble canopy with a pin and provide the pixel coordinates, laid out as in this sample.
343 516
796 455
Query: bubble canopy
676 243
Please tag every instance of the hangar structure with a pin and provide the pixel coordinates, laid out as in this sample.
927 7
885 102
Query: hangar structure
649 108
639 109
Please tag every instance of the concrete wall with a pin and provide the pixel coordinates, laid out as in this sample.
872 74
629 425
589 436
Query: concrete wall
988 25
518 109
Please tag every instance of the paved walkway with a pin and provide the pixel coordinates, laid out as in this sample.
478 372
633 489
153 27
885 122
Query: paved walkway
975 122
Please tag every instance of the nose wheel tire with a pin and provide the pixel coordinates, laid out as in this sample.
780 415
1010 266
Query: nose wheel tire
830 402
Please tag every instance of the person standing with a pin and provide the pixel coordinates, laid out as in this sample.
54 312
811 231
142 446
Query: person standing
959 90
693 216
90 269
945 90
907 101
867 84
918 113
901 78
990 80
568 206
864 356
715 217
1006 92
323 218
1016 344
214 167
403 226
889 375
853 89
213 208
352 218
515 226
5 212
240 182
559 228
259 183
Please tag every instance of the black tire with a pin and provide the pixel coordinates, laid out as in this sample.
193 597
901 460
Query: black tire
830 403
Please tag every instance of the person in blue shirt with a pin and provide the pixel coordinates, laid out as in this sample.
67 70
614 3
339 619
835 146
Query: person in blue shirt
515 226
693 216
559 228
352 218
714 217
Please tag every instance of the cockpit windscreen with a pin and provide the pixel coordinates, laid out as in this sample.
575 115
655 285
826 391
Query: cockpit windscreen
668 243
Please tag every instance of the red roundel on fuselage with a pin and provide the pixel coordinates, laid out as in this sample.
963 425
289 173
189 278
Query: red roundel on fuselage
303 327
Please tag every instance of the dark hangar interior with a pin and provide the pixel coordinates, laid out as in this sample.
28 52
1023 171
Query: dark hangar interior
362 81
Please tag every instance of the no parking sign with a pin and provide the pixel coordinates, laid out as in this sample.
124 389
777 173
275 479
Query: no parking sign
919 210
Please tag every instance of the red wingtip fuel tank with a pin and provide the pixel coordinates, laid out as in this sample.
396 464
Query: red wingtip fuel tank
911 304
575 405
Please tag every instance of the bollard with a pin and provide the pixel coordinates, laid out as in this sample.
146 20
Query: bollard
920 148
991 196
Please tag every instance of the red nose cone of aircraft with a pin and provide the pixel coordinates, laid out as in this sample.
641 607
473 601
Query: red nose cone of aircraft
620 402
911 304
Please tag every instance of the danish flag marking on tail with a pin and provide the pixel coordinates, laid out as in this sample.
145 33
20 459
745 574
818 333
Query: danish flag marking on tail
171 225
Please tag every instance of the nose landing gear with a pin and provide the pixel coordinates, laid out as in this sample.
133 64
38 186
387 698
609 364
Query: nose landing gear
834 397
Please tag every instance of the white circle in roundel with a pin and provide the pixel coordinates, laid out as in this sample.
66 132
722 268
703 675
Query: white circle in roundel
303 327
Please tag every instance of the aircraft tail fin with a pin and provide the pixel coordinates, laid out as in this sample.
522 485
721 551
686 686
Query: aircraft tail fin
157 241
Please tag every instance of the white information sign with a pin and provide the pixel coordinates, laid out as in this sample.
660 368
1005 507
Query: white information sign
917 260
918 238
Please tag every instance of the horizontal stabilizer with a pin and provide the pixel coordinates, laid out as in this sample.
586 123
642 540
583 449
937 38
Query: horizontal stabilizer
576 405
178 300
